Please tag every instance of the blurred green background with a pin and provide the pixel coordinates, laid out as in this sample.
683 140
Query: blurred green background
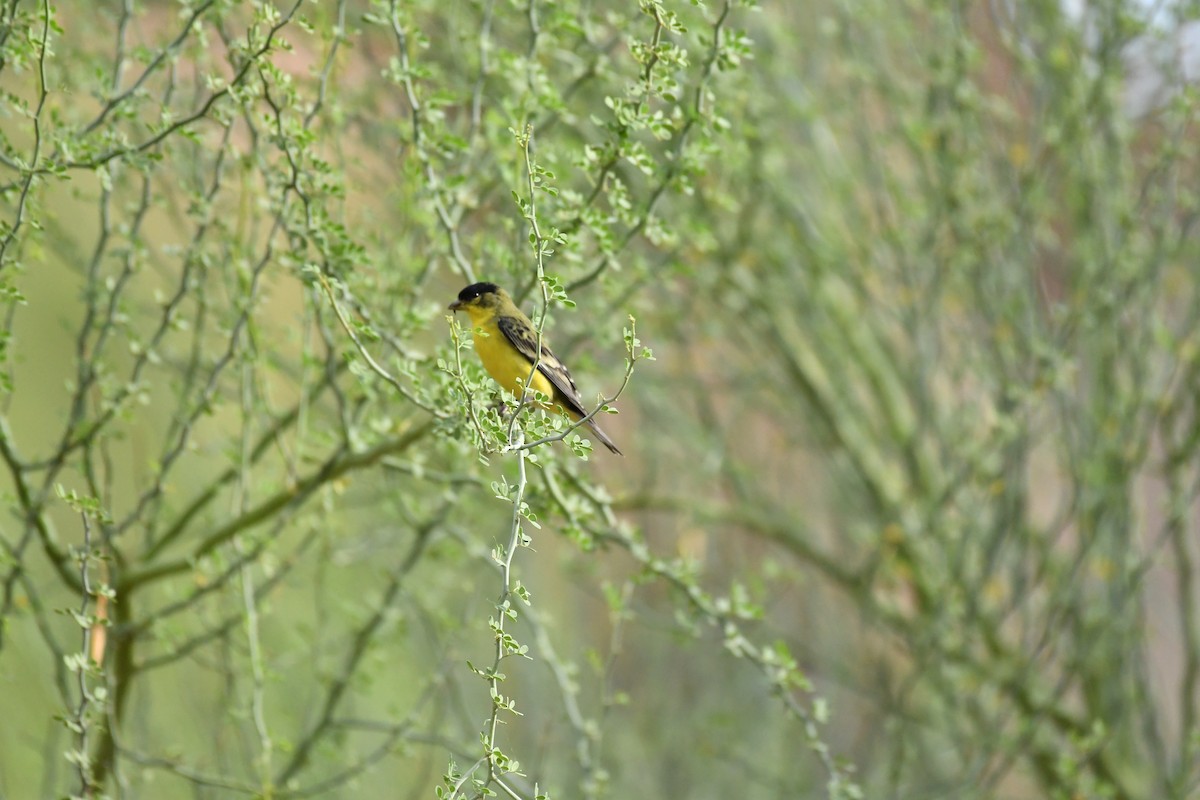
909 497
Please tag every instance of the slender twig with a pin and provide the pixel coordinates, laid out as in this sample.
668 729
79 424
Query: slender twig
698 113
436 189
375 366
165 53
357 650
33 170
337 465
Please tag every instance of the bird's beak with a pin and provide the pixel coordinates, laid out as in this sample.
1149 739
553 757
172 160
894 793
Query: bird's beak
455 306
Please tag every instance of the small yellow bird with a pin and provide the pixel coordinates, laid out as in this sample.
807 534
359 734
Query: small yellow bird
507 344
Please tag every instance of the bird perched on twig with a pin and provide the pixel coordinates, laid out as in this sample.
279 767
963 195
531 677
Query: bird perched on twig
507 343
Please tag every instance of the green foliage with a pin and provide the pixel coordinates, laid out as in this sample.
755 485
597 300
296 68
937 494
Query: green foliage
908 502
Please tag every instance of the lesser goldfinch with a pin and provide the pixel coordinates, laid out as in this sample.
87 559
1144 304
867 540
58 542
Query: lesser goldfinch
507 344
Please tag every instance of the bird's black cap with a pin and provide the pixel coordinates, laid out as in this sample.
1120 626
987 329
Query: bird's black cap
475 290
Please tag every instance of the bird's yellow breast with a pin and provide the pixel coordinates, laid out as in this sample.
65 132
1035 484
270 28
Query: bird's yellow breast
507 366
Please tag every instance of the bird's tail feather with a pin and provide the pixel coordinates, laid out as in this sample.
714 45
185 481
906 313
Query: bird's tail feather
603 437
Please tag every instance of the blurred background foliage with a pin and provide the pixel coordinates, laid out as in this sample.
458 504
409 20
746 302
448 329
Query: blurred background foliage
909 498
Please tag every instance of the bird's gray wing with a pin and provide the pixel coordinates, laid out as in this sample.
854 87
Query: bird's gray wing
522 336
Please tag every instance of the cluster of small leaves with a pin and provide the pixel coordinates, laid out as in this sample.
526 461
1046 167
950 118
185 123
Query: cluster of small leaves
590 521
963 296
729 614
285 193
659 126
201 127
